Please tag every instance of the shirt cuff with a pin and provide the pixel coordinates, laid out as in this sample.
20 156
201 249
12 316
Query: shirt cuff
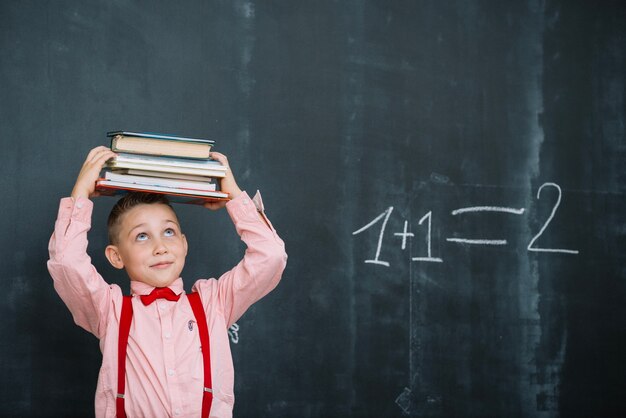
243 207
78 210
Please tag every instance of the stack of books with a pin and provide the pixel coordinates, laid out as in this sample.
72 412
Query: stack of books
177 166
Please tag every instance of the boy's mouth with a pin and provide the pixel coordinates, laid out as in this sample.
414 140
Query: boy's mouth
162 265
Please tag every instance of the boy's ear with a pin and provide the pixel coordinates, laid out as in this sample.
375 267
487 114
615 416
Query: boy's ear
113 255
185 243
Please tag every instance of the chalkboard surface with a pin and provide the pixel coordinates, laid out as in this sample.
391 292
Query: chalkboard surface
449 179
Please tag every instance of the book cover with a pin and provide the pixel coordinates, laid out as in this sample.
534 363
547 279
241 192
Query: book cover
208 186
209 168
153 188
107 189
159 136
157 169
169 161
161 174
160 145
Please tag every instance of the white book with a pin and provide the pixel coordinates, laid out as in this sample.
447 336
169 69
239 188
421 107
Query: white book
135 172
157 168
158 181
131 186
168 161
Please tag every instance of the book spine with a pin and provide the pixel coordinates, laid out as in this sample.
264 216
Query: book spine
168 169
160 136
170 161
159 181
114 143
159 189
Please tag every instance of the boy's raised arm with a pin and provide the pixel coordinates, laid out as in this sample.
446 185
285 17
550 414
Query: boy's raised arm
261 268
76 280
85 185
228 185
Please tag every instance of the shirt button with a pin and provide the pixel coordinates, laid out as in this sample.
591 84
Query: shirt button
79 205
168 335
177 411
170 372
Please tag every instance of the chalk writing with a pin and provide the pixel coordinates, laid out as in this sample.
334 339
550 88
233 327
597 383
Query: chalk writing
543 228
380 236
233 333
483 209
405 234
429 258
478 241
488 209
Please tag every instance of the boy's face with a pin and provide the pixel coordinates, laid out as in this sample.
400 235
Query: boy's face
150 245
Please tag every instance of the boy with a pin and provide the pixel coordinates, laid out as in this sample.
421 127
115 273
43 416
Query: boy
166 368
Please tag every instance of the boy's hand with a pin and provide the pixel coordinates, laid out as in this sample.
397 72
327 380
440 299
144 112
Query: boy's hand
228 183
86 182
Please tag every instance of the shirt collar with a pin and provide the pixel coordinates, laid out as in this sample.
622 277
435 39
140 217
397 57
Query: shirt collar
141 288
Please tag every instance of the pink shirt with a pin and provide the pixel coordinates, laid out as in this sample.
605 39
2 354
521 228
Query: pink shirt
164 369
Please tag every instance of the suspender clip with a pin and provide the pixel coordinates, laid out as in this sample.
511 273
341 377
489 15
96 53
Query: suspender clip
208 390
120 395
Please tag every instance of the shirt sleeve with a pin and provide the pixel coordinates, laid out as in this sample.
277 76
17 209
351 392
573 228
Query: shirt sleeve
76 280
258 272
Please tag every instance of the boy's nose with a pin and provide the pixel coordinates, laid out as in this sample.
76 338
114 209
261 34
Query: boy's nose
159 247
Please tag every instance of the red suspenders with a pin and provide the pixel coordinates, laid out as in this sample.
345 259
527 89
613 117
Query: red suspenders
125 320
207 390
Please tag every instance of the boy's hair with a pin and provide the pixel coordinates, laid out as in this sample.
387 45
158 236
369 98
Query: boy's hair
128 202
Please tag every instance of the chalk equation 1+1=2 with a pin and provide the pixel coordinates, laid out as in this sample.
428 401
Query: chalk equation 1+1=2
383 218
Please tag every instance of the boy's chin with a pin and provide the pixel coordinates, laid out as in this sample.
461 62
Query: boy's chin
156 282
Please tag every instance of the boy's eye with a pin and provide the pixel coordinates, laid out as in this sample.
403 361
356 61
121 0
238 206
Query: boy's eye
169 232
142 237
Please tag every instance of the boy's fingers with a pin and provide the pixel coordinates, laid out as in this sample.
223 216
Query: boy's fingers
92 153
106 155
102 152
96 151
219 157
102 157
214 205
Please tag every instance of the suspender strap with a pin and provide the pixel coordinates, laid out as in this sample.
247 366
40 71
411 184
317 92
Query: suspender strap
198 311
125 320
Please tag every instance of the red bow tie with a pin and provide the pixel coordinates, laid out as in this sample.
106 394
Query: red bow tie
158 293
